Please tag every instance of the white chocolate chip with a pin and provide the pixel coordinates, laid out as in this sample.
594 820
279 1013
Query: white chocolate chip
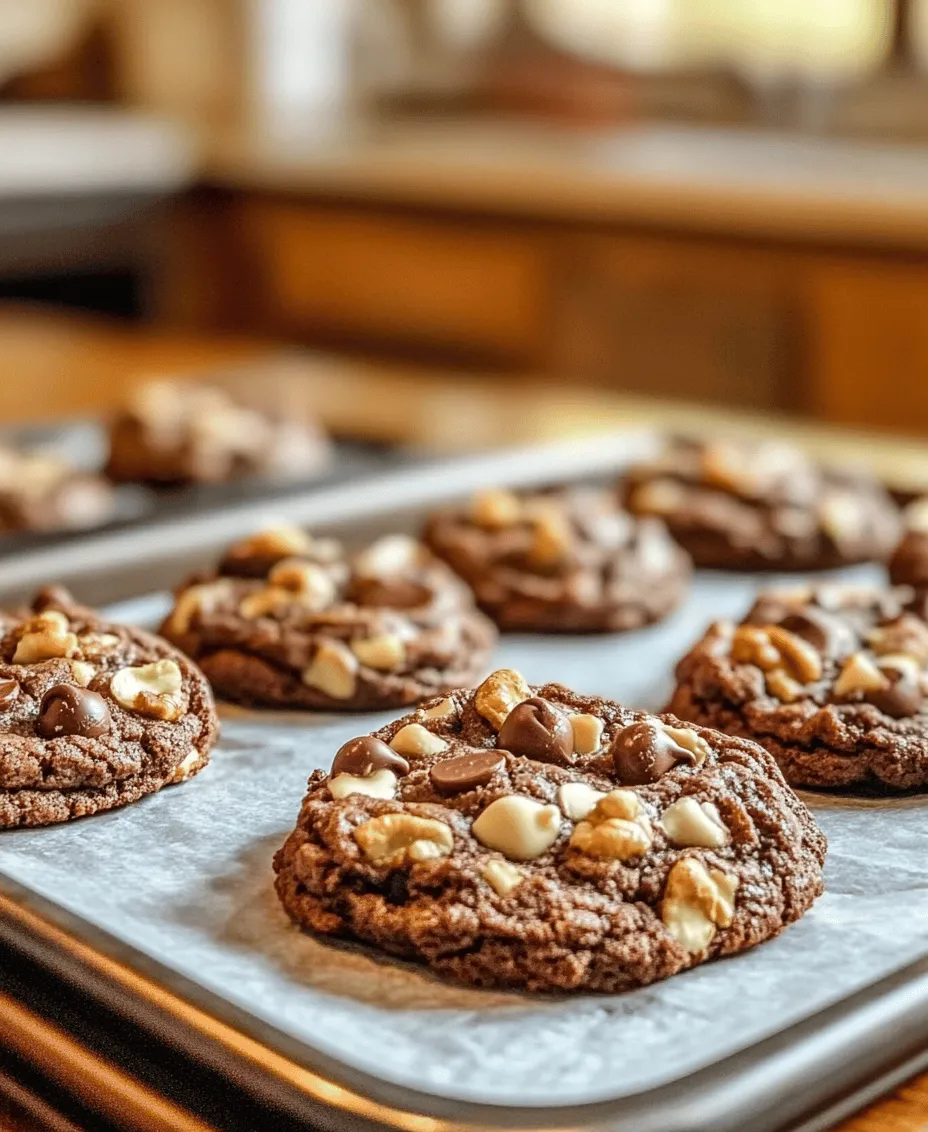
551 540
689 740
502 876
83 672
154 689
385 653
414 739
690 823
391 839
588 733
333 670
499 694
495 509
391 555
97 644
444 709
262 602
46 636
860 674
577 799
380 784
313 584
697 902
518 827
658 497
916 516
841 517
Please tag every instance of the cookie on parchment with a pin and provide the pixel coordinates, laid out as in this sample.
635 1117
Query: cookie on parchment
737 505
537 839
568 561
93 715
291 621
832 680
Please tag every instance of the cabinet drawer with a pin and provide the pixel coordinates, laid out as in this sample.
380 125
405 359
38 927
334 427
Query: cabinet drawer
393 278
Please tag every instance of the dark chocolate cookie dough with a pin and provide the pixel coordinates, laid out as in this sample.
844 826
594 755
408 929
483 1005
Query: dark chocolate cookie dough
909 563
831 680
763 506
290 621
568 561
533 838
93 715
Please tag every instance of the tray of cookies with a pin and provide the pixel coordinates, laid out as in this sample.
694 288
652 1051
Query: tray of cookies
432 873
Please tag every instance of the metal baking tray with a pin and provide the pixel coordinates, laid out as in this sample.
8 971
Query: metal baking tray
793 1034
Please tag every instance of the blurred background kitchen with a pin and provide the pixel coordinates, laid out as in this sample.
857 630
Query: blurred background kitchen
463 222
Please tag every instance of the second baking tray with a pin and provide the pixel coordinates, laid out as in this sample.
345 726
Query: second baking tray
168 908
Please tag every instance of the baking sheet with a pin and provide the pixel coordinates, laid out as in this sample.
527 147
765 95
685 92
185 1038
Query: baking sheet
185 877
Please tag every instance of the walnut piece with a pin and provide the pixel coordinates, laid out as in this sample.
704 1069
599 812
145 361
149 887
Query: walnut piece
771 647
552 538
495 509
697 902
499 694
154 689
194 602
394 839
617 828
46 636
275 542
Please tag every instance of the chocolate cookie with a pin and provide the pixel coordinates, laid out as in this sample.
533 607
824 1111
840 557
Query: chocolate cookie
534 838
909 563
831 680
93 715
175 433
569 561
763 506
40 492
289 621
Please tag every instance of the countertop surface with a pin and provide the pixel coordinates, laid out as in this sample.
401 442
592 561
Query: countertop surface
749 182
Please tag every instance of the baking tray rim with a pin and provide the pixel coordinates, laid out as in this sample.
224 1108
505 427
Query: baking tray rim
856 1047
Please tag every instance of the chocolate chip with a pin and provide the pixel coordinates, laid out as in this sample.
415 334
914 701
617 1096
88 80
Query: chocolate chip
825 632
362 757
465 772
9 692
538 730
901 699
66 710
643 752
392 593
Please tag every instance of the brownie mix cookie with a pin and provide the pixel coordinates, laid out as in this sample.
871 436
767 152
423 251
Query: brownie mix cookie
92 715
174 433
40 492
290 621
763 506
909 563
534 838
568 561
831 680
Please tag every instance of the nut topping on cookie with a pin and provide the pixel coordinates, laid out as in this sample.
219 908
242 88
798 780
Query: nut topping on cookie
154 689
465 772
46 636
824 632
66 710
690 823
9 694
365 755
643 752
276 542
538 730
697 901
616 829
391 839
499 694
496 509
519 827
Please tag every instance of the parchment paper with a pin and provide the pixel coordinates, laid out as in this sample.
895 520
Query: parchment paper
185 877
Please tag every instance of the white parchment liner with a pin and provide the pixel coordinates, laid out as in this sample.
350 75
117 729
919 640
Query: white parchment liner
185 877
